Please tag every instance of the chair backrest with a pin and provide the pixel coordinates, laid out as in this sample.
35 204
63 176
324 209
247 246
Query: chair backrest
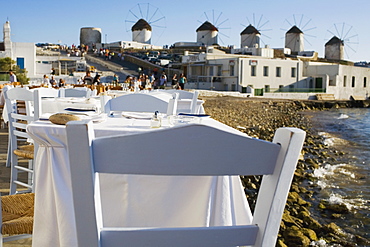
75 92
22 110
16 96
182 94
140 102
207 146
47 92
187 101
41 92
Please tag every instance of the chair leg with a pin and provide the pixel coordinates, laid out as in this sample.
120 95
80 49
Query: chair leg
30 175
13 174
9 156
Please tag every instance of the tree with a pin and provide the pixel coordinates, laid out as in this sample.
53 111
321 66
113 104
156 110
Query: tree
7 64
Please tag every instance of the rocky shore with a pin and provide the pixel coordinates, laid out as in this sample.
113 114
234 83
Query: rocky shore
306 221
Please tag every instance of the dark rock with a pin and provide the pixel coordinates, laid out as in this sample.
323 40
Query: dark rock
280 243
313 224
362 241
333 228
295 237
311 234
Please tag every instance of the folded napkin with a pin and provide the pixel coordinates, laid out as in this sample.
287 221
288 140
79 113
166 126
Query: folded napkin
193 115
80 109
138 115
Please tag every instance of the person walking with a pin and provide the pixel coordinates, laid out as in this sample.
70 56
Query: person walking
182 81
96 80
12 76
162 82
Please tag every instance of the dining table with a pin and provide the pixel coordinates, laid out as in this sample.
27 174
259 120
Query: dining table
52 105
130 200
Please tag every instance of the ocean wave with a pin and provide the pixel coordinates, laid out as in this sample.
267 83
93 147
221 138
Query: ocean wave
328 174
329 140
326 170
324 185
319 243
343 116
354 203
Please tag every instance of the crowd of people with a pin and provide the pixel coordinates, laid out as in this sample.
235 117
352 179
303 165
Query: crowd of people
52 82
153 80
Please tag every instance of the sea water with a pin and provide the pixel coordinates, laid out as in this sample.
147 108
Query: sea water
346 180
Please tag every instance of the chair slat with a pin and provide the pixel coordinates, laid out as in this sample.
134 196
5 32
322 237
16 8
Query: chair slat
185 237
207 151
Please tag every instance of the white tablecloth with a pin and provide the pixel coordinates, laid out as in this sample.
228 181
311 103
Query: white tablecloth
135 200
54 105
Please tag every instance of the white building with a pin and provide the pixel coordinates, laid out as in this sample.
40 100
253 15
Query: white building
90 36
294 40
250 37
343 81
334 49
119 45
207 34
298 78
23 53
142 32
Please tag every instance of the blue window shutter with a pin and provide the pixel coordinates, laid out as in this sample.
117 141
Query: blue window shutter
20 62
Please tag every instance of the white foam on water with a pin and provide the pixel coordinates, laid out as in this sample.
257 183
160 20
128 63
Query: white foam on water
323 134
329 140
355 203
337 199
324 185
347 173
326 170
343 116
319 243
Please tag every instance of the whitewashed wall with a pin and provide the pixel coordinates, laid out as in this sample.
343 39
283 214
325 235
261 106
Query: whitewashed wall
142 36
336 74
207 37
28 52
259 81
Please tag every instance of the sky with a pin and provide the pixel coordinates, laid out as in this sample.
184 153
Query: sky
42 21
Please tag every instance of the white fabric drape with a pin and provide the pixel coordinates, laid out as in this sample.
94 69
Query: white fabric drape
136 200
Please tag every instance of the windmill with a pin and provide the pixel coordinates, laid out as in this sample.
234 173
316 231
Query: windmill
252 35
296 35
142 19
343 41
213 25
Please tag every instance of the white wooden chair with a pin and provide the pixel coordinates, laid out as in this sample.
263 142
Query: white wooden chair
248 156
47 92
6 88
140 102
187 102
75 92
19 117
